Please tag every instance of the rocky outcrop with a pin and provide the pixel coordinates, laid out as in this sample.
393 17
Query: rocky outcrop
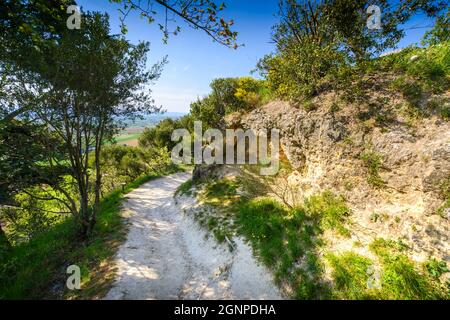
324 148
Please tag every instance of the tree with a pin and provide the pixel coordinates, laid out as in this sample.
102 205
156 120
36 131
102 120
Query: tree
5 245
203 15
344 22
160 135
317 40
440 32
91 83
64 92
104 82
24 152
29 30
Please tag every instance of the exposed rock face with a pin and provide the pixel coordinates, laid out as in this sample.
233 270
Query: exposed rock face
203 172
325 149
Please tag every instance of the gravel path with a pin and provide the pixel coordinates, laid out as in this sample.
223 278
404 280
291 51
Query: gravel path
167 256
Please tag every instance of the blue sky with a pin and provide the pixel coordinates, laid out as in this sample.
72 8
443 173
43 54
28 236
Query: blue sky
195 60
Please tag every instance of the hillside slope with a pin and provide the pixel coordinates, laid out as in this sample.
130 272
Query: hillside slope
367 168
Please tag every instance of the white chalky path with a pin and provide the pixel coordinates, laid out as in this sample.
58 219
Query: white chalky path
167 256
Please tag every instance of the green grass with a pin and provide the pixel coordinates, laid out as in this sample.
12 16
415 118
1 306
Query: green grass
288 240
31 269
220 199
416 74
185 188
373 163
330 210
222 192
124 138
430 68
399 277
350 275
282 238
402 279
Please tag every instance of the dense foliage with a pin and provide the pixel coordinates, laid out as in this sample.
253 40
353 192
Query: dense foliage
317 42
229 95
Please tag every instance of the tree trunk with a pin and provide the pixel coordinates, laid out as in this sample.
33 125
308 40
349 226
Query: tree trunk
5 245
98 186
84 214
98 176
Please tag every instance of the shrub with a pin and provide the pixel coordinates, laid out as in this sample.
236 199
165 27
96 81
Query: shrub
160 135
251 93
229 95
436 268
330 210
373 163
125 164
302 71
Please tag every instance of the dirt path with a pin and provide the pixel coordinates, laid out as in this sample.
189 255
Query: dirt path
167 256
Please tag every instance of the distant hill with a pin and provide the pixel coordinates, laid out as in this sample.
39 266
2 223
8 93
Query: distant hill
131 134
153 119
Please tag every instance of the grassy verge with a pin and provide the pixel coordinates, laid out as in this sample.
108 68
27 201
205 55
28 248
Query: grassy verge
403 279
185 188
289 240
219 199
37 269
393 276
286 240
350 275
290 243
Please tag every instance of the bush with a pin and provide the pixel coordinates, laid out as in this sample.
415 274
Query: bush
373 164
160 136
330 210
300 72
251 93
229 95
123 164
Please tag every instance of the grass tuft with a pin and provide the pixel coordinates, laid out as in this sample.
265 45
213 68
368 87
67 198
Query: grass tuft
351 275
373 163
402 279
330 210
